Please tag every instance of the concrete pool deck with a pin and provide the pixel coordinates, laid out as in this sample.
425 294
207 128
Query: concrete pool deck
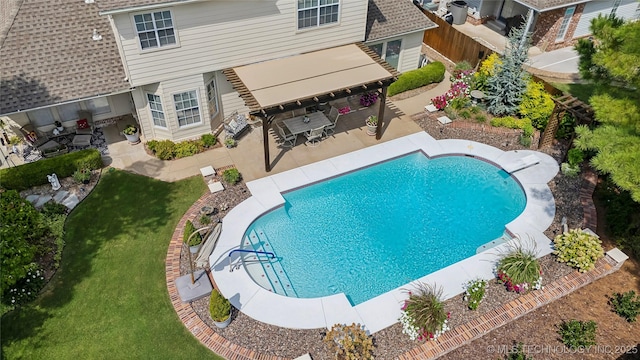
383 310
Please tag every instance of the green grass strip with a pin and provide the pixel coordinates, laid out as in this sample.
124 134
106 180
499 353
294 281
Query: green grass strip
109 298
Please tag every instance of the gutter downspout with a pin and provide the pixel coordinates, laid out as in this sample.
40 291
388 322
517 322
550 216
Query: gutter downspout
527 26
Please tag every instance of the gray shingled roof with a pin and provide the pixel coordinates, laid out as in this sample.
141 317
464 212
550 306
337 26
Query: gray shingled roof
542 5
387 18
109 5
49 56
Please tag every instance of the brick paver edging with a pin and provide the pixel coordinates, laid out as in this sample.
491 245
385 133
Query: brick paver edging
513 310
187 315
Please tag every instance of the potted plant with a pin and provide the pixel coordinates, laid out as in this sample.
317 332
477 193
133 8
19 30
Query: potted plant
372 125
194 241
230 142
369 98
219 309
131 133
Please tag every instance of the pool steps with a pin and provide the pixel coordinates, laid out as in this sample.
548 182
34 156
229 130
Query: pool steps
266 272
493 243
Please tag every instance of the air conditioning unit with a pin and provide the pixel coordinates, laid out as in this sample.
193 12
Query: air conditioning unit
424 60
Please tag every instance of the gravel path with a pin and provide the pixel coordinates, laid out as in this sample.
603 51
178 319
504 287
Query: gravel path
390 342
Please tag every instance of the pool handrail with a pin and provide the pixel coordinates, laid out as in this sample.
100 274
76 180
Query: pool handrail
273 256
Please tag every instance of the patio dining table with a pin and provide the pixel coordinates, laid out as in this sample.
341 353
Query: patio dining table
297 125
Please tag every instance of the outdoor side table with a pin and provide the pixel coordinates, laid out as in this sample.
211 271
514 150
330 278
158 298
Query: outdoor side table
81 140
476 96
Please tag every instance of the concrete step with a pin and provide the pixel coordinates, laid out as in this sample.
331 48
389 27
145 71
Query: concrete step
71 201
496 25
60 196
42 199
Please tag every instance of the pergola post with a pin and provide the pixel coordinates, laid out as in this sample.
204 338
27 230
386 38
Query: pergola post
265 142
383 101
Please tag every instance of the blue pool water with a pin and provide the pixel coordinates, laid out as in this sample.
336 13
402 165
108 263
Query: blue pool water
373 230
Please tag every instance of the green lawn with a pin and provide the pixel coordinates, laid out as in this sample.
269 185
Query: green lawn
109 299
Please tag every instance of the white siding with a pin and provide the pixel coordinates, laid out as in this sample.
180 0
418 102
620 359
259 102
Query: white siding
214 35
166 90
626 10
231 100
410 55
591 11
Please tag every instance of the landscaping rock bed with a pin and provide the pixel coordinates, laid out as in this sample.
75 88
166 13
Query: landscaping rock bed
391 342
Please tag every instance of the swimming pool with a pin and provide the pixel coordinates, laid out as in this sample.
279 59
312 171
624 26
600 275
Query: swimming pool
375 229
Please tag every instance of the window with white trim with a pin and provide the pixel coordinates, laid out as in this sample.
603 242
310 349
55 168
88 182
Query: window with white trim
155 29
187 109
212 98
312 13
389 51
564 26
157 114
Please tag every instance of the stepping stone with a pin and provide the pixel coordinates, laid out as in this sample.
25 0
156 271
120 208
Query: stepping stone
444 120
71 201
207 171
58 197
431 108
215 186
33 198
42 199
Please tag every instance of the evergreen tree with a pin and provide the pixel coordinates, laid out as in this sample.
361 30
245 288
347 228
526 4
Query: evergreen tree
614 56
506 87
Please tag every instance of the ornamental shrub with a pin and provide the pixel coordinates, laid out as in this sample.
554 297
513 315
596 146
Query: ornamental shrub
578 333
188 230
423 314
186 148
349 342
428 74
26 289
463 66
32 174
536 105
219 307
578 249
231 176
475 292
487 69
165 150
517 353
512 123
519 268
575 157
208 140
625 305
567 125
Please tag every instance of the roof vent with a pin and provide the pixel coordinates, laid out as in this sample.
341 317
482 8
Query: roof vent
89 1
96 36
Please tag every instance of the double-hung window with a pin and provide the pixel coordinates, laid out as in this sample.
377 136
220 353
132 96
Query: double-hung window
187 109
564 26
157 114
155 29
312 13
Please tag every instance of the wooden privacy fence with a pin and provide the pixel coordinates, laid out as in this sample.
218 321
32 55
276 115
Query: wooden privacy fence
453 44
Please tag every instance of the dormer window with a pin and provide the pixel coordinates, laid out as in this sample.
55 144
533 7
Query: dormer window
155 29
312 13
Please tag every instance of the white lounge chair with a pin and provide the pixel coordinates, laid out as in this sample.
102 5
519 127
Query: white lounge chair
521 163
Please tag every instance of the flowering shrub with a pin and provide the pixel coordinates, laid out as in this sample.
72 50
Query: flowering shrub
25 289
475 292
536 105
460 87
423 316
519 269
344 110
578 249
487 69
369 98
349 342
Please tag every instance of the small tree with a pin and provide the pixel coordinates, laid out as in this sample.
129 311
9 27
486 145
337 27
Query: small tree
506 87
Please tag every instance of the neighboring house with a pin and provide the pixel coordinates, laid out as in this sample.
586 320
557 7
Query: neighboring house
554 24
174 53
58 57
163 60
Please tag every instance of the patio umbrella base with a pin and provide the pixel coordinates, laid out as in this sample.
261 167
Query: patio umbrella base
200 288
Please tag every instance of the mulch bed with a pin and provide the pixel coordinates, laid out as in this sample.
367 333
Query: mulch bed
391 342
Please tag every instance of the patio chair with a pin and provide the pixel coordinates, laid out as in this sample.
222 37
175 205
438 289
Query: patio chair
235 125
288 139
314 136
333 117
85 125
